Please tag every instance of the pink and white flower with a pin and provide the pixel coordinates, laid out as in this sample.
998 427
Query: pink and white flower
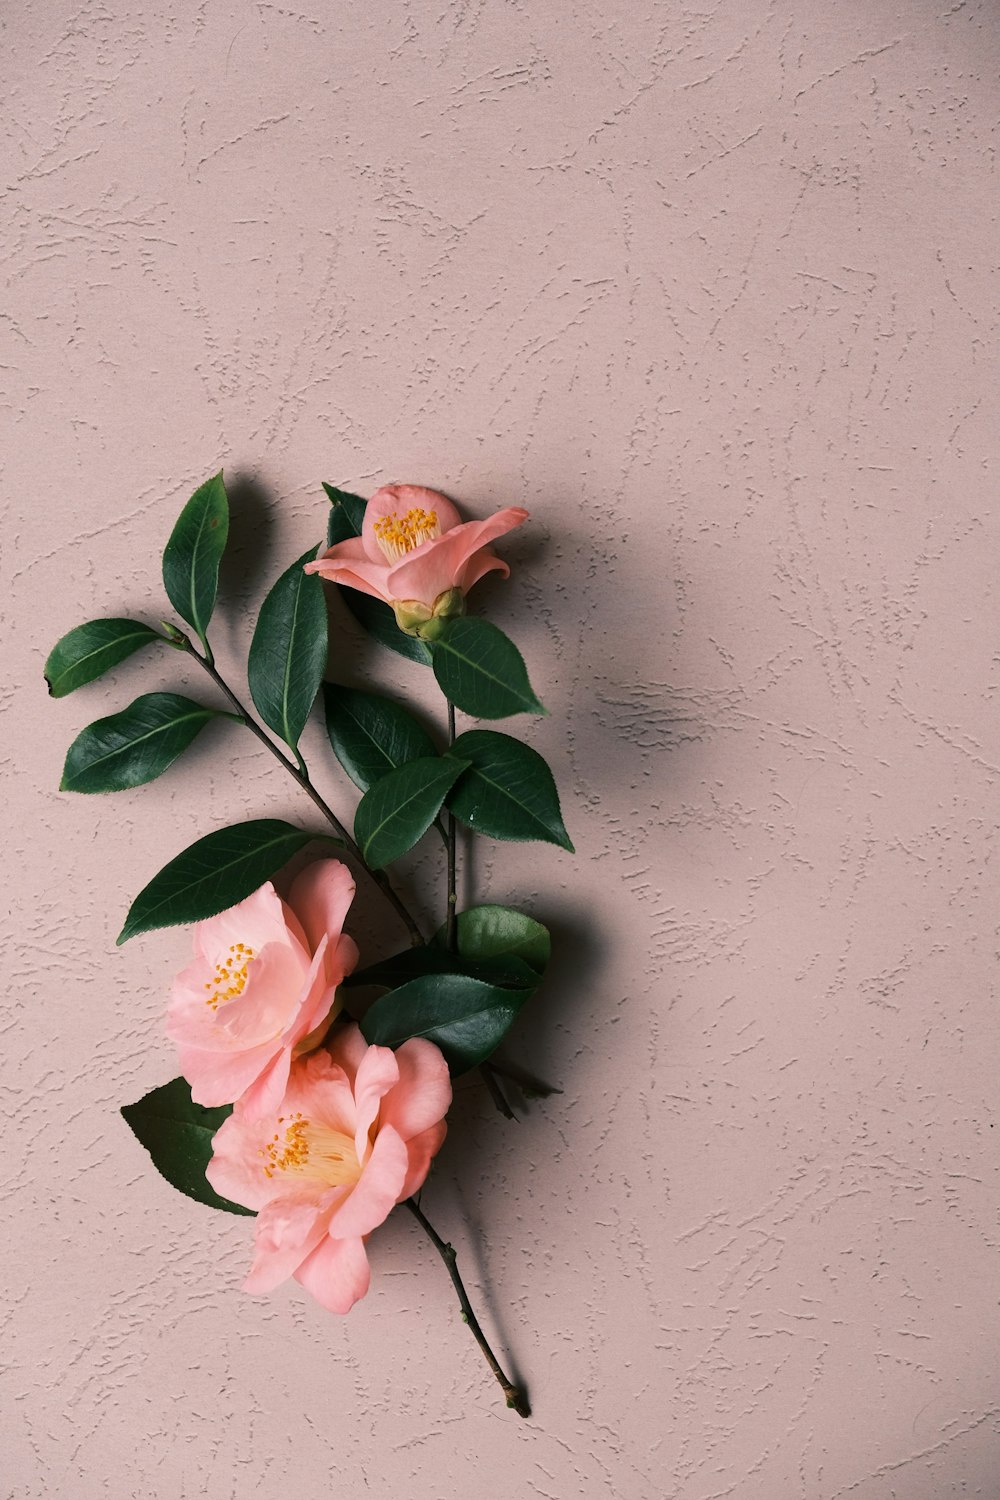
262 988
353 1136
416 554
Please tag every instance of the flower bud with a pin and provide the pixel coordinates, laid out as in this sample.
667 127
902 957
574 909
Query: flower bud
410 615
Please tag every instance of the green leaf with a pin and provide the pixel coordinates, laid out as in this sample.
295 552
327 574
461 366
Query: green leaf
372 735
482 672
288 651
192 555
380 623
506 971
508 791
178 1134
399 809
93 649
135 746
489 932
465 1017
213 874
347 514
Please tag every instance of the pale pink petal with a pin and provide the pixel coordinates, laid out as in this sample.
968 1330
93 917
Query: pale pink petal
376 1191
321 897
479 564
377 1072
337 1274
221 1077
420 1151
347 1048
265 1094
258 920
342 959
423 1094
271 997
438 565
316 998
235 1170
348 563
396 500
286 1233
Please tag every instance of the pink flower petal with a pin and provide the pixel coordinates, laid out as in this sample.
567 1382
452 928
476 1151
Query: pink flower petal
423 1094
376 1192
396 500
337 1274
321 897
421 1150
265 1094
438 565
348 563
275 982
220 1077
286 1233
377 1072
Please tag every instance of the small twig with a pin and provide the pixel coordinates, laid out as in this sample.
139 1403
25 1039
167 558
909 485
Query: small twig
516 1397
301 776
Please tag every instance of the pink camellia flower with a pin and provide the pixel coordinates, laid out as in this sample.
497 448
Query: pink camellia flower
353 1136
262 988
417 554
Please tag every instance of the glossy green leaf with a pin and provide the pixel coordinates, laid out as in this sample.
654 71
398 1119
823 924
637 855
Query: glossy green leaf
135 746
371 735
347 514
380 623
93 649
482 672
507 971
192 555
288 651
465 1017
213 874
508 791
399 809
178 1134
490 932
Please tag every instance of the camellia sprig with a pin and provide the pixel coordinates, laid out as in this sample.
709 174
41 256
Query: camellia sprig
296 1103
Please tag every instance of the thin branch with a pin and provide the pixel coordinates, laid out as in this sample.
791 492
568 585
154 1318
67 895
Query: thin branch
515 1395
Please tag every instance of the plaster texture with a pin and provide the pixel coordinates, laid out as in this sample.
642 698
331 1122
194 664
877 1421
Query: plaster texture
711 289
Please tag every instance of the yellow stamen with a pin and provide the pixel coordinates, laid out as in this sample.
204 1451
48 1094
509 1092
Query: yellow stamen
230 979
398 535
307 1150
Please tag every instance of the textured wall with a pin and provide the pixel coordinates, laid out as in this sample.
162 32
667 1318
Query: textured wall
711 289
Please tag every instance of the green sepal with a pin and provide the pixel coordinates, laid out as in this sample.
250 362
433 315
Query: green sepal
178 1135
90 650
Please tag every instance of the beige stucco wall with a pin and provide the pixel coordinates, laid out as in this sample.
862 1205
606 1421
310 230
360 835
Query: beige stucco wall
712 291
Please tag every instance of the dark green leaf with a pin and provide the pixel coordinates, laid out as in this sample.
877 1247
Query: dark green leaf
399 809
347 514
507 971
135 746
508 791
178 1133
489 932
288 651
191 557
213 874
466 1018
380 622
482 672
372 735
92 649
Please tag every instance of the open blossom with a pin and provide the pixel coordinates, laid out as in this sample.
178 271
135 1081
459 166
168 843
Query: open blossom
262 988
416 554
353 1136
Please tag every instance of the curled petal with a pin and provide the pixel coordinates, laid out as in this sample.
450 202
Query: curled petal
420 1151
377 1192
435 567
321 897
337 1274
423 1094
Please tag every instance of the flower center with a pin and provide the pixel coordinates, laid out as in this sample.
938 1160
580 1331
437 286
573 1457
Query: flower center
305 1149
230 978
397 535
